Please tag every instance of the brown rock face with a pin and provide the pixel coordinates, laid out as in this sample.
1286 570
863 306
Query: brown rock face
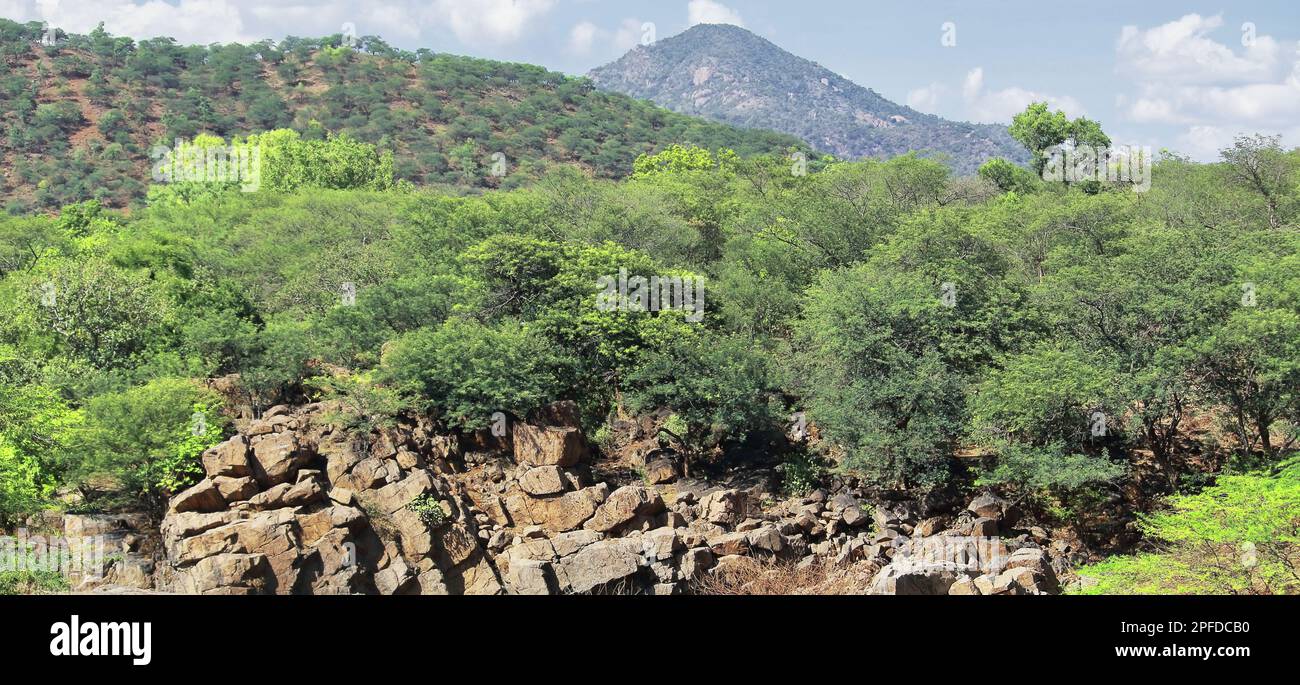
548 446
660 471
542 480
725 507
276 458
203 497
229 458
622 506
597 565
556 514
279 516
235 489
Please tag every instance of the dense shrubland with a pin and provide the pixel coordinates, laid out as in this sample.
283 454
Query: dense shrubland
1068 345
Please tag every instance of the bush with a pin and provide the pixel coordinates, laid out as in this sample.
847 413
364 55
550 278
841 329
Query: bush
148 439
465 371
1241 536
719 388
363 405
429 509
32 582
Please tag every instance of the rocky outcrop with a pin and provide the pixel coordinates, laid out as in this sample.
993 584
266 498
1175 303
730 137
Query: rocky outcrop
292 505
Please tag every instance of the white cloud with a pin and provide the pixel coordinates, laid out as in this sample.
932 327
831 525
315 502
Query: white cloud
582 36
495 21
1181 52
999 106
926 99
1205 142
586 37
1186 78
474 22
628 35
189 21
710 12
981 105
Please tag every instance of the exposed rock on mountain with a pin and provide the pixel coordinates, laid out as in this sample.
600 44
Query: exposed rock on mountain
728 74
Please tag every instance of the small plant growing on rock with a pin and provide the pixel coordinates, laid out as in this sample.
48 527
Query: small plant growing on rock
799 475
429 509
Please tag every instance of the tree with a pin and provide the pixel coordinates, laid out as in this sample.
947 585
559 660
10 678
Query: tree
39 440
1040 130
95 312
148 438
1007 176
466 371
721 389
1258 163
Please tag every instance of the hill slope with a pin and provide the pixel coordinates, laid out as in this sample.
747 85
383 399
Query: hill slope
79 118
728 74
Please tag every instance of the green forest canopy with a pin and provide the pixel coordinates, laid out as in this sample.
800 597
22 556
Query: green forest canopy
1053 341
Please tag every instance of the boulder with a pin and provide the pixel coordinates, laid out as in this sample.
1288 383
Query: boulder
660 471
229 458
182 525
724 507
660 544
203 497
1037 561
622 506
730 544
542 480
695 562
854 516
235 489
766 538
987 506
225 574
548 446
984 527
395 496
529 577
598 565
341 455
276 458
569 543
556 514
930 526
964 586
893 514
916 579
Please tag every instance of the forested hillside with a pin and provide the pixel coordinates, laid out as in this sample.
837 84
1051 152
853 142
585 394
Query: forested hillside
1083 350
81 116
645 352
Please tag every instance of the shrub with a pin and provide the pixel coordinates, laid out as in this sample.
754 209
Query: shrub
429 508
1241 536
466 371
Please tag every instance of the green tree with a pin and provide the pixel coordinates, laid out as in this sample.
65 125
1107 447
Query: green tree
1040 130
1241 536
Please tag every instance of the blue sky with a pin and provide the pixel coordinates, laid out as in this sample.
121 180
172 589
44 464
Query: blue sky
1166 73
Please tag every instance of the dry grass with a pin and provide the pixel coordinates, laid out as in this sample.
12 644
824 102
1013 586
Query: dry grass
749 576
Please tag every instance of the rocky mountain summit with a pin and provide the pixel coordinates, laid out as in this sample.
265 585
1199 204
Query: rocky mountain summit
731 75
294 505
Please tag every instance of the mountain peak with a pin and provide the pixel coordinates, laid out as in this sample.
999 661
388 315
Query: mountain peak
730 74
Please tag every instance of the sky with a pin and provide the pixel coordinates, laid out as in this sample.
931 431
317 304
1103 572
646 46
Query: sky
1178 74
